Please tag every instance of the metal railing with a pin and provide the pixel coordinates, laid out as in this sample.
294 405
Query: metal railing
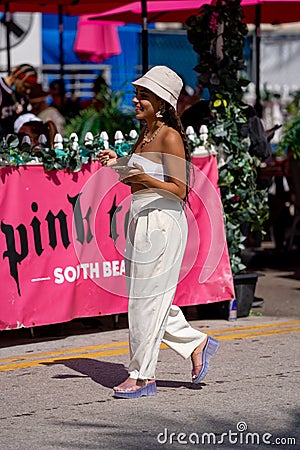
78 78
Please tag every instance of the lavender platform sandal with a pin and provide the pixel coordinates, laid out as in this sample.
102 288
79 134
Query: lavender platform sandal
209 350
147 390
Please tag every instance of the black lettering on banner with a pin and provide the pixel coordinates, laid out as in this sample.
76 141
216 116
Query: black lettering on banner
13 256
36 226
79 225
113 220
50 218
126 222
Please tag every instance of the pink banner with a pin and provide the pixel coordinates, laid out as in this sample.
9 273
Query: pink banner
62 238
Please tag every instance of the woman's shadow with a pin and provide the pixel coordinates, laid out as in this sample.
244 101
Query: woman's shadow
105 373
108 374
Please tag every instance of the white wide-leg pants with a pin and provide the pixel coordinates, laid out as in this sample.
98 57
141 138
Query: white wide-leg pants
156 240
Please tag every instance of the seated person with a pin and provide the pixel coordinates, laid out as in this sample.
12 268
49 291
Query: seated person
28 117
35 128
40 107
68 107
100 90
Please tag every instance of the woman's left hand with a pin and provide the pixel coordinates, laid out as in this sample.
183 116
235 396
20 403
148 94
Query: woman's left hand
133 174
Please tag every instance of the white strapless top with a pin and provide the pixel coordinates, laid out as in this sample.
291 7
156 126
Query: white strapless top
153 169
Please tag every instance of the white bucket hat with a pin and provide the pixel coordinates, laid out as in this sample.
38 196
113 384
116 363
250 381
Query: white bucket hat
163 82
24 118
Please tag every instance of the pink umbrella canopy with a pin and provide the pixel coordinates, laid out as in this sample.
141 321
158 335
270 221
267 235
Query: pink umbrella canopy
157 11
271 11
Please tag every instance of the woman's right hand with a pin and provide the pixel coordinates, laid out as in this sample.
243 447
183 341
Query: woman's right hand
107 157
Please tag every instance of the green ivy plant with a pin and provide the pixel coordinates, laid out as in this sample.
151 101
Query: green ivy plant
68 155
217 34
13 153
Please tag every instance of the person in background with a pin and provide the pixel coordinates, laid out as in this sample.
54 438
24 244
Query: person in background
40 107
24 118
34 128
259 137
68 107
196 112
100 90
14 91
158 172
188 96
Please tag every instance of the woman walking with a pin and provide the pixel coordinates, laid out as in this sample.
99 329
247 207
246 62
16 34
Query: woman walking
158 173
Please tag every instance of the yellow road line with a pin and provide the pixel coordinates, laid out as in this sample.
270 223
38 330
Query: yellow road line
46 358
64 352
256 333
254 327
42 362
214 332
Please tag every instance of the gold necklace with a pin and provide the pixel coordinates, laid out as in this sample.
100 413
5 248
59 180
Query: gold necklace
146 139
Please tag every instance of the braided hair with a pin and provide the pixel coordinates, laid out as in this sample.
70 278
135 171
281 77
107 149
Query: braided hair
171 118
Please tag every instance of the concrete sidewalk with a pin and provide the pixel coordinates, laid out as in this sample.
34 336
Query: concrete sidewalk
280 285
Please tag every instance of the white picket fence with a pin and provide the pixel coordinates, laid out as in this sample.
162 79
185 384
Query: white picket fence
198 141
200 150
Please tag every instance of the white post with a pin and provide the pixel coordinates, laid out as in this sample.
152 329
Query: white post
203 134
133 134
105 138
88 138
190 133
42 139
119 137
58 142
74 138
